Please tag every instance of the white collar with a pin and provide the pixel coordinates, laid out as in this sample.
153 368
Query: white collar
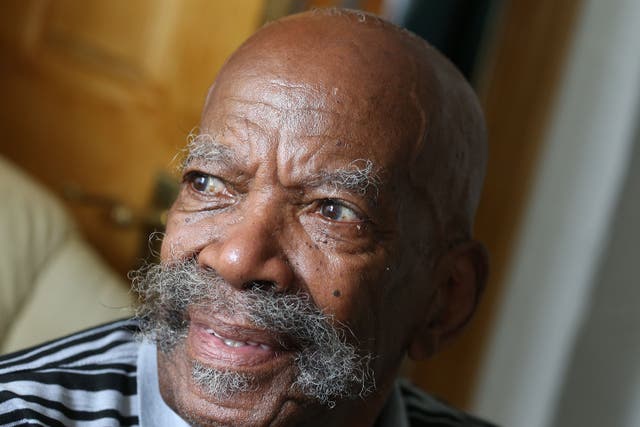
153 411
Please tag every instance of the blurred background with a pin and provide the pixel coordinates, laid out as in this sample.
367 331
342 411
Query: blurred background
99 96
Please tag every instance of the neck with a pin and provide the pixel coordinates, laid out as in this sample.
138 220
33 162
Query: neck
352 413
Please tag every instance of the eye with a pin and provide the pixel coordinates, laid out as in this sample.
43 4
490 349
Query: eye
338 211
208 185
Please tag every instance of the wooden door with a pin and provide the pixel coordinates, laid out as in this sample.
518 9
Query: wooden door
100 95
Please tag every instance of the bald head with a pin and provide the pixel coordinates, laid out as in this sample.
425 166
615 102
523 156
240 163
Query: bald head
395 84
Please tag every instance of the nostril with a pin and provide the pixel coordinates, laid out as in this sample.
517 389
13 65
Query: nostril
262 285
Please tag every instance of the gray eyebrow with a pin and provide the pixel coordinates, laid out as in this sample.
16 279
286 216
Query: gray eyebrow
204 148
359 176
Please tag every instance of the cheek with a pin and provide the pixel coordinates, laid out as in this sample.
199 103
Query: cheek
185 235
349 287
168 248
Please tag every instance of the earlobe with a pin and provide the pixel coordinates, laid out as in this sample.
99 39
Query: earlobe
459 279
423 346
425 342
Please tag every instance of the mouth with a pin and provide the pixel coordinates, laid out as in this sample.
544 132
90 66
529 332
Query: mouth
223 344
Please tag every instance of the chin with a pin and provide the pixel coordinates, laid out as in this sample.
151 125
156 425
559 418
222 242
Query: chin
271 401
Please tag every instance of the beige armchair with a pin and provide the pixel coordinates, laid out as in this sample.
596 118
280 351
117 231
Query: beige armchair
51 282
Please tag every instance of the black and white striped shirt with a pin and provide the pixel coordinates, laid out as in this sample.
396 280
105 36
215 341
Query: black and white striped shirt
100 376
88 378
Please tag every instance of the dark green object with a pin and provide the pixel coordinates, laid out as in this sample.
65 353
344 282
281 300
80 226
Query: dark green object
455 27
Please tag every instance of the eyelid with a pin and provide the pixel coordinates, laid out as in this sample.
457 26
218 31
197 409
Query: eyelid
190 175
362 203
187 175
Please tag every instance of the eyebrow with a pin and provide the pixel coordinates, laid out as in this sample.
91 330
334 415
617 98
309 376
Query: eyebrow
359 176
204 148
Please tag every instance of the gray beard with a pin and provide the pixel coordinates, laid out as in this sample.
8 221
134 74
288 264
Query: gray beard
329 368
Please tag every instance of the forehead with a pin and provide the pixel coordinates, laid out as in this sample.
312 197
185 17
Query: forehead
320 120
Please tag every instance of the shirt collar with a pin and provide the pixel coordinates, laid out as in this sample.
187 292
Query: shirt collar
153 411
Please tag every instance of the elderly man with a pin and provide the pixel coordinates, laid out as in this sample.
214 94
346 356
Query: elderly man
322 232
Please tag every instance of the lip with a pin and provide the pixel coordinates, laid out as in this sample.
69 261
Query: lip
205 341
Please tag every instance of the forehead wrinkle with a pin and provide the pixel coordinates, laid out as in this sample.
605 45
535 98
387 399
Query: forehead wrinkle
289 122
301 106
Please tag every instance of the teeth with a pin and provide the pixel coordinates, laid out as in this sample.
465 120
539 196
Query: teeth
233 343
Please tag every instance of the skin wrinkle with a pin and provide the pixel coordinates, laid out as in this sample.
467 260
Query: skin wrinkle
284 109
289 87
316 111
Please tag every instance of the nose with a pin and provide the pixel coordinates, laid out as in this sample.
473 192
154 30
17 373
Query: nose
250 254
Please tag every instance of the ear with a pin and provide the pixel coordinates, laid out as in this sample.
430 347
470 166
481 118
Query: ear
459 277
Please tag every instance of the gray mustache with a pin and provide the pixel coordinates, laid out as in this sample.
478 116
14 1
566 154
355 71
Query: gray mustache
167 291
329 366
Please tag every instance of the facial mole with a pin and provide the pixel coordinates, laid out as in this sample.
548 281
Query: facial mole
336 293
187 220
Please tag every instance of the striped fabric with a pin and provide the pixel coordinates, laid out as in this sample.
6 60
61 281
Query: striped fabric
86 379
90 379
